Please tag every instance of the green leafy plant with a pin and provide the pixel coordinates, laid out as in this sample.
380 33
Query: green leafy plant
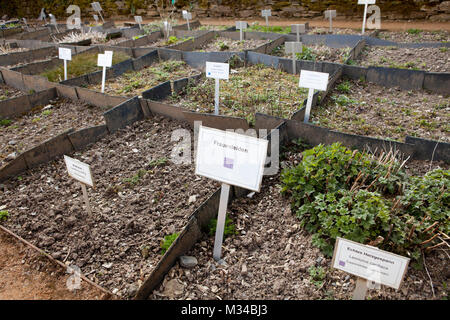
337 192
167 242
344 86
4 215
223 46
414 31
317 275
5 122
306 54
134 180
172 40
230 228
158 162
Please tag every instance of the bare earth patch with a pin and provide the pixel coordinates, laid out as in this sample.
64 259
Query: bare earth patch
26 275
316 53
133 83
140 196
229 45
428 59
415 35
371 110
45 122
326 30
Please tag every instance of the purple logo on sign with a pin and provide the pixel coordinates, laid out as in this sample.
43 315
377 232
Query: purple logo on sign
228 163
341 263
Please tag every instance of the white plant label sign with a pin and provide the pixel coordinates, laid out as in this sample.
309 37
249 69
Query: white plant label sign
65 54
231 158
241 25
266 14
79 171
330 14
298 29
217 70
104 61
369 263
292 47
138 20
313 81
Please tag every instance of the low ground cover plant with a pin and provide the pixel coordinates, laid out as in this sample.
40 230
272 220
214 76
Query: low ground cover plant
256 88
338 192
81 64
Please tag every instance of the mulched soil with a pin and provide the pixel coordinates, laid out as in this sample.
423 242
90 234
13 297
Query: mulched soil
212 28
133 83
270 258
318 53
229 45
316 30
253 89
428 59
140 196
372 110
45 122
421 36
7 92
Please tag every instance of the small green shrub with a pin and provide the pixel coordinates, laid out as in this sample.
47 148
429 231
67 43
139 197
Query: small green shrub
167 242
4 215
337 192
158 162
316 275
134 180
414 31
306 54
344 86
5 122
230 228
172 40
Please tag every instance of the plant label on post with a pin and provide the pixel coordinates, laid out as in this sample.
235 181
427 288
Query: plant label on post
104 61
66 55
167 28
81 172
53 21
233 159
365 3
241 25
368 263
313 81
138 20
97 8
266 14
330 14
217 71
292 47
298 29
26 24
43 16
187 16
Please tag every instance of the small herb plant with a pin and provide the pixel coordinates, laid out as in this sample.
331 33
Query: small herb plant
4 215
230 228
317 275
337 192
167 242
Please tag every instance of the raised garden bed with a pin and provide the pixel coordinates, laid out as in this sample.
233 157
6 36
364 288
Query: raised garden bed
317 53
81 64
226 44
317 30
252 89
415 35
367 109
267 254
44 122
428 59
135 204
133 83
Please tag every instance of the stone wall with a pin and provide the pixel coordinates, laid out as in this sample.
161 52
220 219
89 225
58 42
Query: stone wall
433 10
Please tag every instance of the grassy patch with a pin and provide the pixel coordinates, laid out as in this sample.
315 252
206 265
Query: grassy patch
167 242
81 64
274 29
